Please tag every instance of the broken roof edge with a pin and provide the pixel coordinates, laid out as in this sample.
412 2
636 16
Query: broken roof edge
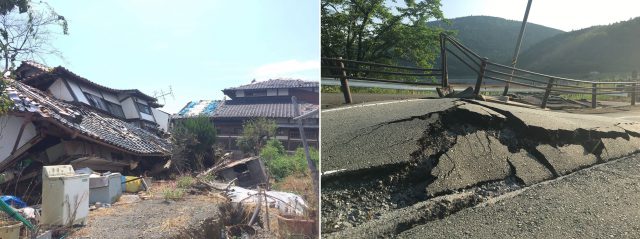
233 163
62 70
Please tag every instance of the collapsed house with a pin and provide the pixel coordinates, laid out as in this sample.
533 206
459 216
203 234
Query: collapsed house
61 118
269 99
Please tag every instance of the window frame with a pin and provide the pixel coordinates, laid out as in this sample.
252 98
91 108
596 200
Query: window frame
96 101
117 107
142 106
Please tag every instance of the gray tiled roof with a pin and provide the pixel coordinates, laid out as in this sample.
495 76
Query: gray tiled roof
238 109
275 84
87 122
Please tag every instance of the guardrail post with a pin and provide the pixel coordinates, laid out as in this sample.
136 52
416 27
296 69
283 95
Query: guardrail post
593 95
546 93
344 83
443 58
476 91
634 93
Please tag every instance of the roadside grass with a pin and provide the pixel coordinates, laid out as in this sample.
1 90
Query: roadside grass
173 194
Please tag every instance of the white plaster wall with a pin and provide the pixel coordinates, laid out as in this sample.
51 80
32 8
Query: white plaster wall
239 93
162 118
59 90
110 97
9 129
272 92
78 92
141 101
147 117
129 108
283 91
91 90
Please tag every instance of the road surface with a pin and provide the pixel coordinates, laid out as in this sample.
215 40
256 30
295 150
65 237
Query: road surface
385 162
598 202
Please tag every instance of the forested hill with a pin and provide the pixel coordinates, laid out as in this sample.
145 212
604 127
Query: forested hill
492 37
610 48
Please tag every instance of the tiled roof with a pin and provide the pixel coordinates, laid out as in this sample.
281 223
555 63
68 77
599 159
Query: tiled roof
87 122
240 109
61 70
37 65
275 84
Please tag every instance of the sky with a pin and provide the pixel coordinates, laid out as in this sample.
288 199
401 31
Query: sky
566 15
196 47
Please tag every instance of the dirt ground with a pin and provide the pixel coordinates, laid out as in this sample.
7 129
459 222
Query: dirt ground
154 217
201 215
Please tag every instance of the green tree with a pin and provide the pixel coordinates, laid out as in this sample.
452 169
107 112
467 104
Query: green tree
281 165
380 30
193 143
5 102
255 134
26 31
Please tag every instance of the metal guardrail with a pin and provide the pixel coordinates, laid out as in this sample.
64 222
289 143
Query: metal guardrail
375 72
349 69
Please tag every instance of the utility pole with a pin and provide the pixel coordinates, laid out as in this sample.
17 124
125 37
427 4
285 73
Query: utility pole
517 51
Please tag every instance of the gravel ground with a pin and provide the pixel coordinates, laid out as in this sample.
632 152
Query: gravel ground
154 218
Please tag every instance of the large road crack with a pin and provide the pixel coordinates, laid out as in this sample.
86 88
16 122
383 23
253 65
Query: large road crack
385 189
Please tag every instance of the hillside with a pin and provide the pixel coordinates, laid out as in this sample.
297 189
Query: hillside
492 37
611 48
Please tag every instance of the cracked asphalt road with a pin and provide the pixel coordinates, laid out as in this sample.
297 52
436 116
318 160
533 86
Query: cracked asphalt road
385 158
361 136
599 202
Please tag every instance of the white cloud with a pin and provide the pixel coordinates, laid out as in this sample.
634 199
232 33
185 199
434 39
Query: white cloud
288 69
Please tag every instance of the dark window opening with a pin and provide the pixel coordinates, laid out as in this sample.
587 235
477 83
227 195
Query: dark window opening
294 134
144 108
115 109
255 93
96 101
240 168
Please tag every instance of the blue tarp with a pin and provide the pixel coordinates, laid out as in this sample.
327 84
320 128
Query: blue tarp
211 107
187 108
15 202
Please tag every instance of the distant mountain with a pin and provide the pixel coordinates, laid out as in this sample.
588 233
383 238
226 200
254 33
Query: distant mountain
492 37
611 48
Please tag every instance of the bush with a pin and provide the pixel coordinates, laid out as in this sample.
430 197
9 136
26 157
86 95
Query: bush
281 165
193 141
